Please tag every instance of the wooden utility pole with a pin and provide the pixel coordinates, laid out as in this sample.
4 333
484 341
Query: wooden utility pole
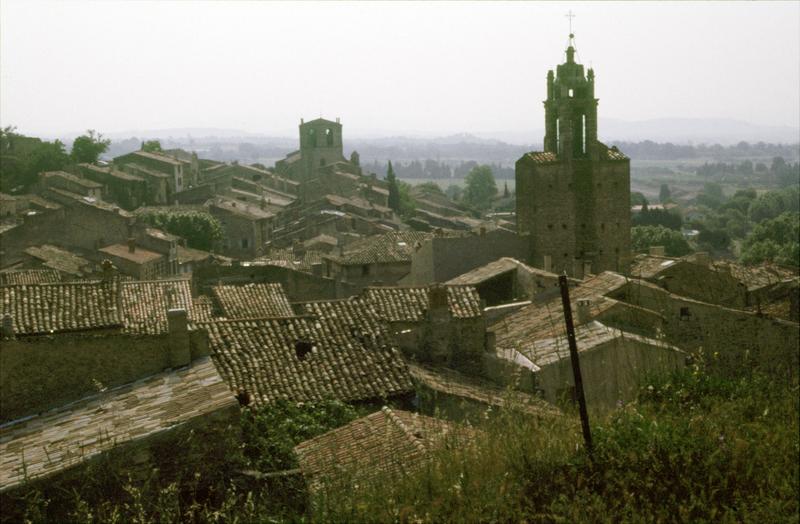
576 366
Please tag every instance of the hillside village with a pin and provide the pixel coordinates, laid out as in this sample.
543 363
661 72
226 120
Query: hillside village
121 337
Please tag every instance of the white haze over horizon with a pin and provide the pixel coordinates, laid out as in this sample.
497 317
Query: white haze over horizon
386 68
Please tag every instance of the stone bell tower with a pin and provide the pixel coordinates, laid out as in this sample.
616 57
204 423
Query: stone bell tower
573 198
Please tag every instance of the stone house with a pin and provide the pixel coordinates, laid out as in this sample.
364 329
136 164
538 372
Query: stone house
127 190
67 264
613 363
320 145
376 260
379 447
159 189
126 419
247 228
507 280
437 324
180 174
8 206
137 262
71 183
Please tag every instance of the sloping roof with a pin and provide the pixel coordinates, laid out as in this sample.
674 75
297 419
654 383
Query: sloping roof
382 249
451 382
388 442
409 304
757 277
86 183
145 304
59 259
253 301
587 336
303 359
29 276
544 320
648 266
287 258
487 272
541 157
237 207
188 254
66 436
66 306
352 313
139 255
202 308
158 156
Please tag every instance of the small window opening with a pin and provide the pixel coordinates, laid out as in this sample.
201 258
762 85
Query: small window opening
365 270
685 313
329 137
549 226
563 226
570 93
302 348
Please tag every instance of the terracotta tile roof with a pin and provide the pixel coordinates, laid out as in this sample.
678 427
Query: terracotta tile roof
145 304
303 359
188 254
352 313
587 336
139 256
386 443
541 157
29 276
545 320
60 259
202 309
757 277
450 382
237 207
66 306
287 258
382 249
252 301
67 436
494 269
648 266
409 304
86 183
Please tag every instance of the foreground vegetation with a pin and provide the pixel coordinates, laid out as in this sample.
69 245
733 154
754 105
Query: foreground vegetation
695 447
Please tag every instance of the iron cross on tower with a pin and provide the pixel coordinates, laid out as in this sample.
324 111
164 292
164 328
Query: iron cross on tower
570 15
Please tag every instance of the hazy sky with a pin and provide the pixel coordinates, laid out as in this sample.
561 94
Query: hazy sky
386 68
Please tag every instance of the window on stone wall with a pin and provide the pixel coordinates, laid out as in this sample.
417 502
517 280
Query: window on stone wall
329 137
602 226
549 226
685 313
365 270
563 226
245 243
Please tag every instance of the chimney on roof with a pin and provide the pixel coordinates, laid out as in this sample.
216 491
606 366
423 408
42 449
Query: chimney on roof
131 245
548 263
438 306
8 326
657 251
584 307
179 347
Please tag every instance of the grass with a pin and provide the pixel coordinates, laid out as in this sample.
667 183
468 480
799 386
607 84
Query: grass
694 447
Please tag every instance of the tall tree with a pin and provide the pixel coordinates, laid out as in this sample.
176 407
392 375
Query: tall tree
151 146
480 187
89 147
664 194
394 190
506 194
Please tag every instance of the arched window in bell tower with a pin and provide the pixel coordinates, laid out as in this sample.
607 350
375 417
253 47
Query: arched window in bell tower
329 137
312 138
558 137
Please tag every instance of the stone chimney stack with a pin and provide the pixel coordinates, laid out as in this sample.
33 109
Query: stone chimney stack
180 352
438 305
7 326
548 263
584 307
131 245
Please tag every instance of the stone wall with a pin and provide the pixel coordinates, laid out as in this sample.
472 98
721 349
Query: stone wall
42 372
441 258
299 286
729 339
611 372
